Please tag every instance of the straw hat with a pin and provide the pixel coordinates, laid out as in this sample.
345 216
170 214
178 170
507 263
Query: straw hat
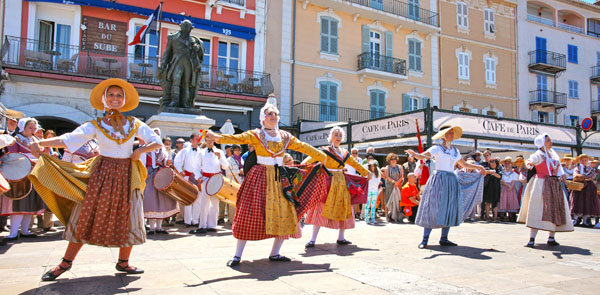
132 97
566 158
445 128
584 156
519 159
507 159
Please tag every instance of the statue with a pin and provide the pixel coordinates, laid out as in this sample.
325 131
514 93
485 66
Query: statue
179 72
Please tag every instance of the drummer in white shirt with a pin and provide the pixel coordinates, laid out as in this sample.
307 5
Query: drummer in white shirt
209 161
185 162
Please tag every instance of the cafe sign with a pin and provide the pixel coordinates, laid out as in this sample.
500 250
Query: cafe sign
104 36
477 126
388 127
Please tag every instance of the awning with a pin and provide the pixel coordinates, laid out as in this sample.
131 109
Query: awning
199 23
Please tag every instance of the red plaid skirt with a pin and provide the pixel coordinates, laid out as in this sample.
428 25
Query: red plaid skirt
249 221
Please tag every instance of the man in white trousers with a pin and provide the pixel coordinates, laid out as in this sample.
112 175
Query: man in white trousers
186 163
210 162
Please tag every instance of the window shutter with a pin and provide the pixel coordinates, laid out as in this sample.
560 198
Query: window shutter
500 114
567 120
551 117
484 112
323 92
465 15
373 98
466 60
405 102
456 108
426 100
333 39
365 38
474 110
458 14
389 44
535 116
324 37
418 56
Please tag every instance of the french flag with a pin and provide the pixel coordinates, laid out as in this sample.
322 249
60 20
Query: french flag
144 29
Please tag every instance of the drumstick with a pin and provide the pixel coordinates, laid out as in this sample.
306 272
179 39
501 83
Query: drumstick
234 178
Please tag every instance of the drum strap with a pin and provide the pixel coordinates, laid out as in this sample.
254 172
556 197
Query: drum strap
208 175
187 173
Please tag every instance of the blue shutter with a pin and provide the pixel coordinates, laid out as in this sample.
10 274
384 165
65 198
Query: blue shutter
333 36
418 55
426 100
365 39
324 34
389 51
540 47
405 102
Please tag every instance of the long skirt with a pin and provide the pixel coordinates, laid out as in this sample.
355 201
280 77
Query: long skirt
532 208
32 204
263 212
157 204
337 211
446 201
509 201
99 200
586 202
393 204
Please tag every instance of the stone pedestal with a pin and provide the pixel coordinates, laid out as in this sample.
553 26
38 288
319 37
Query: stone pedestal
179 124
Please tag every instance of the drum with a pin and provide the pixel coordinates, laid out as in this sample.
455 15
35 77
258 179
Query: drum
175 186
214 184
15 167
574 185
228 191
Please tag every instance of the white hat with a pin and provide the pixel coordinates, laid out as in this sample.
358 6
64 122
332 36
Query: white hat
23 122
540 140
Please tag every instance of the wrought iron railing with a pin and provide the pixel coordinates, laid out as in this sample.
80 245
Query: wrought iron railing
399 8
547 57
596 72
540 20
542 96
70 60
368 60
595 106
323 112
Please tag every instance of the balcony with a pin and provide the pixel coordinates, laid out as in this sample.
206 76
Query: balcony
33 55
547 61
571 28
381 67
595 78
236 2
547 98
320 112
540 20
595 107
390 11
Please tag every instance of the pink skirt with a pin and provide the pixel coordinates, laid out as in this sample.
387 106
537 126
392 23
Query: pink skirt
509 201
314 216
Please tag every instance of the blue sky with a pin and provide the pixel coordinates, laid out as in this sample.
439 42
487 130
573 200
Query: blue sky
589 1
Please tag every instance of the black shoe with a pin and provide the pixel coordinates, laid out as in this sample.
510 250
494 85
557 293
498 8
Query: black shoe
162 232
423 245
214 230
190 225
310 244
49 229
150 232
221 221
235 261
343 242
28 236
179 222
132 270
2 242
530 244
7 239
552 242
198 231
279 258
446 242
51 275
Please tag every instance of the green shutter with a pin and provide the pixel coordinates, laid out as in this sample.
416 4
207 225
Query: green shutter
324 35
405 102
389 44
333 40
365 38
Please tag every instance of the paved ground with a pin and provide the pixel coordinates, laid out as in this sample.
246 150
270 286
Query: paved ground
490 259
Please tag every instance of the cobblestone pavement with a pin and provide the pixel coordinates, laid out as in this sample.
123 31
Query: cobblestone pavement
490 259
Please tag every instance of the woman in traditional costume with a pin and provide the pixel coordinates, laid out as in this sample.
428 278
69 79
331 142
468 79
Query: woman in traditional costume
444 202
99 200
336 211
21 211
263 208
585 203
509 202
544 205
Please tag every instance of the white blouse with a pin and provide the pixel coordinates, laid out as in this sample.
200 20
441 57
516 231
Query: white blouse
510 176
107 146
445 160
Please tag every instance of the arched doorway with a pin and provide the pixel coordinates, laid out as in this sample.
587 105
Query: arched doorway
59 125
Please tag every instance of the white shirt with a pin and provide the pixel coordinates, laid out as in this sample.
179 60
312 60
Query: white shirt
445 160
186 159
159 157
208 162
107 147
6 140
510 176
235 169
538 157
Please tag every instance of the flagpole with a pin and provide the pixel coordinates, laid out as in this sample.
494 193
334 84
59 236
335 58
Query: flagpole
160 32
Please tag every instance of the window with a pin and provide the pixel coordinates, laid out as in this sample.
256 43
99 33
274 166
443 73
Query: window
329 35
573 120
488 21
572 53
377 104
594 28
327 101
147 49
377 4
375 48
413 9
490 71
542 117
207 48
228 60
55 37
414 55
411 103
573 89
463 66
542 88
462 15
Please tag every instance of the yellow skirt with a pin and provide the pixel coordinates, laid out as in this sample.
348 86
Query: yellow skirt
338 204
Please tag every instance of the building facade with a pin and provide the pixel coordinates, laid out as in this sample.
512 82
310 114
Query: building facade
478 72
55 53
559 61
337 60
